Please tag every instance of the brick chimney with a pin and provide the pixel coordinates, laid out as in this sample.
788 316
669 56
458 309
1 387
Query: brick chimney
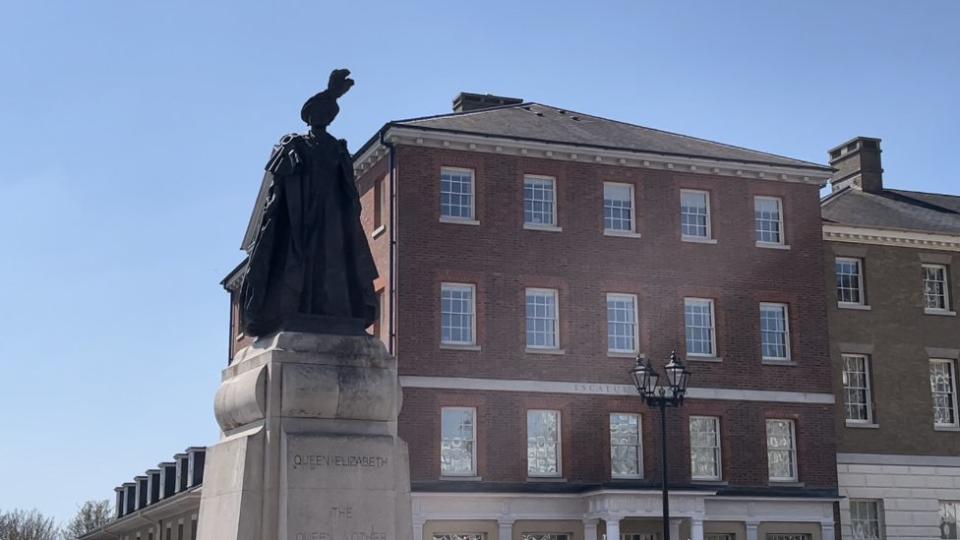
466 101
858 165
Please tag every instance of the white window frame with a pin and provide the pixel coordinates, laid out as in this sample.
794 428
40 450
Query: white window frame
473 465
556 320
472 219
559 442
794 474
779 202
639 445
955 402
552 226
459 536
718 452
786 332
861 289
633 210
713 326
868 390
636 324
947 304
473 313
878 505
709 232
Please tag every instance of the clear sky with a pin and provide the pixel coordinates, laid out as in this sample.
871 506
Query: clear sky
133 137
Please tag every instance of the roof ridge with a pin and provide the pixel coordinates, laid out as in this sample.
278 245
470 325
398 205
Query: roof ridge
700 139
834 195
923 192
462 113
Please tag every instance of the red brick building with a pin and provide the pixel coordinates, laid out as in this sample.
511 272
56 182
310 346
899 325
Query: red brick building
528 254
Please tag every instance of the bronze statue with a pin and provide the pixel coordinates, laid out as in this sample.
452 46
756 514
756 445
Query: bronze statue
310 267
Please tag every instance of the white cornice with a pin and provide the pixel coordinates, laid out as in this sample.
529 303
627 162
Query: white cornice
559 387
891 237
585 154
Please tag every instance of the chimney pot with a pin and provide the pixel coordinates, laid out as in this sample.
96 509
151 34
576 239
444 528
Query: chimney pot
858 165
466 101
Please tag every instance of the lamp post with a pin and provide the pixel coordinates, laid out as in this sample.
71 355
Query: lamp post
668 393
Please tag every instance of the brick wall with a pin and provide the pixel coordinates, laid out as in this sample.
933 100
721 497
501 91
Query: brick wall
585 438
899 333
502 258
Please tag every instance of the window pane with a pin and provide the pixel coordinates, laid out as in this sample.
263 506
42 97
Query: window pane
856 388
694 214
943 386
849 281
698 315
865 520
935 287
625 445
705 447
949 517
617 207
543 443
456 314
456 194
460 536
457 444
539 201
542 319
773 330
621 323
781 454
768 219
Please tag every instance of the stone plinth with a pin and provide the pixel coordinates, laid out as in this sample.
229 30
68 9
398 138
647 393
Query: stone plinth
309 448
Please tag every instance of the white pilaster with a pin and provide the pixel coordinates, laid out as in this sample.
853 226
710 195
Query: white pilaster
696 529
505 528
590 529
613 527
418 523
827 530
675 529
752 529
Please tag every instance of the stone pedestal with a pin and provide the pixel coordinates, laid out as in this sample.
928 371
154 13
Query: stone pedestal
309 448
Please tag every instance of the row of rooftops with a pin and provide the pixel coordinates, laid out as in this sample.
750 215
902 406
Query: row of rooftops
170 478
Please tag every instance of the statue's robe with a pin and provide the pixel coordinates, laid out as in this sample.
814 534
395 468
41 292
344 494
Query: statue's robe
308 253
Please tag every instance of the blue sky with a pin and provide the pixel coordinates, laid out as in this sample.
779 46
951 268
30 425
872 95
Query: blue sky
133 136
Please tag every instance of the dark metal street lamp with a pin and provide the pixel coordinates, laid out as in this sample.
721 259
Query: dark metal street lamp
668 393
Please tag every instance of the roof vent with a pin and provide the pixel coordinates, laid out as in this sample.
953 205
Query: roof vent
465 101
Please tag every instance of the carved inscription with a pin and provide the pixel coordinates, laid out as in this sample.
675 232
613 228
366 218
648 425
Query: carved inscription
317 461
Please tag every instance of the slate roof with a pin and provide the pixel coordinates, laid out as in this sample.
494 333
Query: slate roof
543 123
894 209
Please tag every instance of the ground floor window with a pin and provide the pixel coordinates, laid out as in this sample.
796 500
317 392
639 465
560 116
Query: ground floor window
949 517
865 523
460 536
789 537
723 536
640 536
545 536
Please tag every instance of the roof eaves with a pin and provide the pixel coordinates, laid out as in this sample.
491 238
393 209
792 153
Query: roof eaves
798 165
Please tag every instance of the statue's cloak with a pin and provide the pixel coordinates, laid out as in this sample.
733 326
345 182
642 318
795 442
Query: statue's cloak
308 253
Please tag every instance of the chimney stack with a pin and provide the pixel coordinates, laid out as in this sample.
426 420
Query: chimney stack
465 101
857 162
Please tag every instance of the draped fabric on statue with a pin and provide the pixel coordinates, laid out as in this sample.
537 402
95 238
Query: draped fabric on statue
310 256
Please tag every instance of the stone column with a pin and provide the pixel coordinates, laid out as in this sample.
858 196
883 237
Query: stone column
418 524
505 528
613 527
696 529
675 528
590 529
752 529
